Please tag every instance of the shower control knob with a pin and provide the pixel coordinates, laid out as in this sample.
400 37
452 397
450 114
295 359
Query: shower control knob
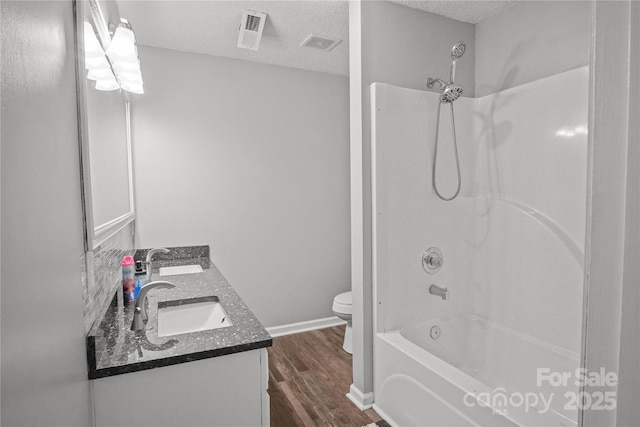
432 260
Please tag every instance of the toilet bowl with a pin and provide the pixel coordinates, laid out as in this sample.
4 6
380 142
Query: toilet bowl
342 309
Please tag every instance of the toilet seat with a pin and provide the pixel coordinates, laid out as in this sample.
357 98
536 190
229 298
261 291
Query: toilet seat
342 308
342 303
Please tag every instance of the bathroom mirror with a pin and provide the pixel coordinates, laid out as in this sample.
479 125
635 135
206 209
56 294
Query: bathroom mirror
104 137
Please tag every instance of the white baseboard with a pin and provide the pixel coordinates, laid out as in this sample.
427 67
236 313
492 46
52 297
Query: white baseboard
361 400
309 325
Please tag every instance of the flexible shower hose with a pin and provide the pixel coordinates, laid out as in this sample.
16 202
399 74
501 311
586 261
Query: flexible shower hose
435 156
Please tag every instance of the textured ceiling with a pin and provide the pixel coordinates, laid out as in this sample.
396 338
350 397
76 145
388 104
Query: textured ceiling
472 11
211 27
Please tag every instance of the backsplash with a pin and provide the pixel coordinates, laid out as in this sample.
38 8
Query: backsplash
102 273
176 253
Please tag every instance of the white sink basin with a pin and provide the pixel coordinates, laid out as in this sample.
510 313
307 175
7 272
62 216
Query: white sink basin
180 269
197 314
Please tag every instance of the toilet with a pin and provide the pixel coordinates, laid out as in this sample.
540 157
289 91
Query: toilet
342 309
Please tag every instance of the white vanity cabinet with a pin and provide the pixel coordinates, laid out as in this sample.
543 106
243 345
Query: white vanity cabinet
228 390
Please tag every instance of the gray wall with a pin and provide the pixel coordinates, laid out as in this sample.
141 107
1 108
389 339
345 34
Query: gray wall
404 46
253 160
530 40
44 371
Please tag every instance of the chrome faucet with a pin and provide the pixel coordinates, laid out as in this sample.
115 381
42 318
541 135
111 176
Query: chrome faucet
140 312
438 291
151 253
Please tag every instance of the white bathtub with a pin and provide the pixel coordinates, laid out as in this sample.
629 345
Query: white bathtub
421 381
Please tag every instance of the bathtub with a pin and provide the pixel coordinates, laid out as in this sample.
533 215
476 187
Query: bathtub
459 371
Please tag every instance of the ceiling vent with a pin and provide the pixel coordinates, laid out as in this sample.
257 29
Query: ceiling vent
320 42
251 27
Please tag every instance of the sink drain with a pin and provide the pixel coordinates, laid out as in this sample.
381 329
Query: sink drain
435 332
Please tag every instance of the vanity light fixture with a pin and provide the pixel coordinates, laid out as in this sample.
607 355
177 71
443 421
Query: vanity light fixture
98 68
121 58
123 54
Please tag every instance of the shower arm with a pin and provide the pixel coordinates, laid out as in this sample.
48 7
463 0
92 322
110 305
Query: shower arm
431 82
442 83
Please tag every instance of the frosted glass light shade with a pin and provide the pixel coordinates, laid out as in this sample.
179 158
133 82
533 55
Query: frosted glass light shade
129 77
107 84
96 75
92 48
123 46
127 67
123 55
97 63
132 87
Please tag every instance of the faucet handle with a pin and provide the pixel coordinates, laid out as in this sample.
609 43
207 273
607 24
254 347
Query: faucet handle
432 260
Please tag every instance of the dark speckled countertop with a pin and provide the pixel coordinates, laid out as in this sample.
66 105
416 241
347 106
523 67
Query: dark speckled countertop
113 348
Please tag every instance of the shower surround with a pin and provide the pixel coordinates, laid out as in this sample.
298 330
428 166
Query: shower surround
513 249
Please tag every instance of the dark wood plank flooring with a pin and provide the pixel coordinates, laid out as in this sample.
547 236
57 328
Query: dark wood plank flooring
309 375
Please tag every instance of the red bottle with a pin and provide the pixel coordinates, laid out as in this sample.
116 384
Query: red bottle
128 280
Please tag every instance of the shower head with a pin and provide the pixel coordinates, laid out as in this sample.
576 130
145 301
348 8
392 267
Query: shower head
450 93
458 50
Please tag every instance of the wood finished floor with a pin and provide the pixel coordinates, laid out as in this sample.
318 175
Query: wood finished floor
309 375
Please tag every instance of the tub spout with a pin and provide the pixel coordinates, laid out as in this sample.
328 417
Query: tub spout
438 291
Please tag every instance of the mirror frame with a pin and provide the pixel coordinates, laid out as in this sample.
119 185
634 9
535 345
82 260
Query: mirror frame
96 234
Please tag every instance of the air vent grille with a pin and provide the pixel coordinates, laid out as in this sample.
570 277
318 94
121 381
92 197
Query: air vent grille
251 28
253 23
320 42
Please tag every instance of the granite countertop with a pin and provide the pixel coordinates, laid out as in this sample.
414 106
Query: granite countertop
113 348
